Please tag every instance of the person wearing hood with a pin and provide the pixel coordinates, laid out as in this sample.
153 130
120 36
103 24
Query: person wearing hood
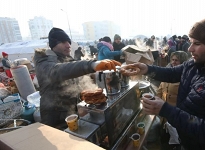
118 45
57 75
6 64
106 50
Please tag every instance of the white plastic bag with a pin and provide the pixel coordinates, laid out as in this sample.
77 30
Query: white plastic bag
174 137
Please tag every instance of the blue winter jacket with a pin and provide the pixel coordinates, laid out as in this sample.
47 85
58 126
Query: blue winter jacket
189 115
105 53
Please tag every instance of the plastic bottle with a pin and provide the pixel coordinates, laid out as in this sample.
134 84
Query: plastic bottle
28 111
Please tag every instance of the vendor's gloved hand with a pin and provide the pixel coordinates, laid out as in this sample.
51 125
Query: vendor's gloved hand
105 65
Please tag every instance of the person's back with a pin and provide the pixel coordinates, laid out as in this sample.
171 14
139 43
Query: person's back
78 54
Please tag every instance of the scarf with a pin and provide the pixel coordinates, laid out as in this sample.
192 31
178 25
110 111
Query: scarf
108 45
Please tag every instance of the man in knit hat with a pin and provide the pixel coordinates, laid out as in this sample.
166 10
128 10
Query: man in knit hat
57 75
118 45
6 64
188 117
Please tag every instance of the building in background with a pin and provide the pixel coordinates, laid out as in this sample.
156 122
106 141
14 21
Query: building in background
9 30
94 30
76 36
39 27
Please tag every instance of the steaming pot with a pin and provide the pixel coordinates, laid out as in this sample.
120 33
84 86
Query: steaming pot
111 81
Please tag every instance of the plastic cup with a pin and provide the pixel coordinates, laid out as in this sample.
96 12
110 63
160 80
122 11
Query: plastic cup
136 139
141 128
72 122
149 96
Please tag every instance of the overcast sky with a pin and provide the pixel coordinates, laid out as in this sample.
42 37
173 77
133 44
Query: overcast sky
158 17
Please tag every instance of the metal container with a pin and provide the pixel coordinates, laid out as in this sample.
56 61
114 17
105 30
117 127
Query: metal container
124 80
111 80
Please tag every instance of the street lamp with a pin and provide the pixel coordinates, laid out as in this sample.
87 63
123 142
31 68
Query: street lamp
68 23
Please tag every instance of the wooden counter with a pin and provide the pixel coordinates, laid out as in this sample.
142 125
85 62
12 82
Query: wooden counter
148 120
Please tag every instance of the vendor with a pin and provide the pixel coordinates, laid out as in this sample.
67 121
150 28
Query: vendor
6 64
57 74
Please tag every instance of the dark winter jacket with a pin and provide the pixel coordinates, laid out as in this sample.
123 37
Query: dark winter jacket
118 47
185 46
189 115
57 78
78 54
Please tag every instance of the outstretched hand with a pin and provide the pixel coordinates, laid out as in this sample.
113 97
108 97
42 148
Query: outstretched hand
106 65
134 69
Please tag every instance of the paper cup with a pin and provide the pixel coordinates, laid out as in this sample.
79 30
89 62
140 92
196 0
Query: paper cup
72 122
141 128
136 139
148 96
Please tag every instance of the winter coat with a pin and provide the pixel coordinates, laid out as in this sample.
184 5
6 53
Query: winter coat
185 47
168 92
57 78
105 53
78 54
6 63
189 115
118 47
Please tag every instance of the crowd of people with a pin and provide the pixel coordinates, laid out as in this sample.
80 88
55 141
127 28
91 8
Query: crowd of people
184 108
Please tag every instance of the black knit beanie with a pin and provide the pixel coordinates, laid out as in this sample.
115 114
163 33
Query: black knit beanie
106 39
57 35
198 31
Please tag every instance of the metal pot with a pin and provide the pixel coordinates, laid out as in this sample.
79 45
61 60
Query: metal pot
124 80
111 81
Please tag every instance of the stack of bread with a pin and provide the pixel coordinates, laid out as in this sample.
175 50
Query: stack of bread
93 96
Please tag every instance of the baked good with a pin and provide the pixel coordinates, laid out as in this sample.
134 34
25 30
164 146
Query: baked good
129 71
92 92
93 96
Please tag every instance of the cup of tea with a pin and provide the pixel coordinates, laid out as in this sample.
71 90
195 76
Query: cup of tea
136 139
141 128
148 95
72 122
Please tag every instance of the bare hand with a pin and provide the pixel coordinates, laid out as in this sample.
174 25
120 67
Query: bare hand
152 107
134 69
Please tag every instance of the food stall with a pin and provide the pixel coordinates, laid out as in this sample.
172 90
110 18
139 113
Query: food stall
112 123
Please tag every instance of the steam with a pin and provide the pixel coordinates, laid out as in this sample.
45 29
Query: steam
76 86
86 83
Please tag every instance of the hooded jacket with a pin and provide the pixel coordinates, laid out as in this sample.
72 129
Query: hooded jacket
57 78
188 117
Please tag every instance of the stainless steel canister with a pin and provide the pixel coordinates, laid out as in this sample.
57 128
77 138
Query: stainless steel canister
111 80
124 80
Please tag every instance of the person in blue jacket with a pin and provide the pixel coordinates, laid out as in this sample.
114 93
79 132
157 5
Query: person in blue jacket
188 116
106 50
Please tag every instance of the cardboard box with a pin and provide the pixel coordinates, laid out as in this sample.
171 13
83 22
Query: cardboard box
135 54
38 136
